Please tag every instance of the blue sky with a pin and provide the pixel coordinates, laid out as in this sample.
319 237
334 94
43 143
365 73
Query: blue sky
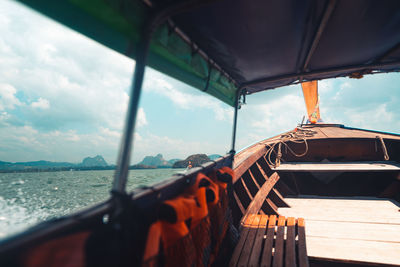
63 97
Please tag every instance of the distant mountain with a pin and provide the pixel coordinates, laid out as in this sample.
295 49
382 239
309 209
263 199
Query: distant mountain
45 164
214 156
196 160
97 161
88 163
157 161
141 166
172 161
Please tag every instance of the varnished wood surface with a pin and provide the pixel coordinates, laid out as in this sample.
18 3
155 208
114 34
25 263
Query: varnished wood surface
349 229
248 156
337 132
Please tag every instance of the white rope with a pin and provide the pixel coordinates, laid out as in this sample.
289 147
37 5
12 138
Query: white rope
298 136
385 153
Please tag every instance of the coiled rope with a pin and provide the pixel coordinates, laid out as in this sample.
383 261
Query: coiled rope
298 136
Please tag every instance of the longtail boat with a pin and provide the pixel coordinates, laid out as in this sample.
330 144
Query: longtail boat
319 195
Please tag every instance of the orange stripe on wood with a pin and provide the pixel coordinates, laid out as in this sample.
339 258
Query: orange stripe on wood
263 221
300 222
256 221
272 221
249 220
281 221
291 221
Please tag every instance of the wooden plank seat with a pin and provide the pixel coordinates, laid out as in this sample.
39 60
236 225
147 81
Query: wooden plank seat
365 166
271 241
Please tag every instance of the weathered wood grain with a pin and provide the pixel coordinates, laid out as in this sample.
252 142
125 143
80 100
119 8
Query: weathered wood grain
267 251
242 240
256 252
290 244
302 248
277 260
246 251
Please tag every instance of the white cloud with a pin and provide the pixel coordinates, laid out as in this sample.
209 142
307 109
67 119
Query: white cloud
280 113
24 143
8 100
83 88
141 118
42 103
137 137
260 121
71 135
110 133
189 101
378 118
325 86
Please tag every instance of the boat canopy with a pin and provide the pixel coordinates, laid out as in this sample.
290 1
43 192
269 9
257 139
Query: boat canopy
221 47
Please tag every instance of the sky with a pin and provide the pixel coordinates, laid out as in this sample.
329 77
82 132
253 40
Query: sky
63 97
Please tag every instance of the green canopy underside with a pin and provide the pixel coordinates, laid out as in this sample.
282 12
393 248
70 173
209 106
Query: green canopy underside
117 25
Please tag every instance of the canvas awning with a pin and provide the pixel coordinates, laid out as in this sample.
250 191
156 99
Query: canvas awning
257 45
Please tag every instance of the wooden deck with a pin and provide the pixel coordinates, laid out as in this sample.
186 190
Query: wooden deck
349 229
369 166
271 241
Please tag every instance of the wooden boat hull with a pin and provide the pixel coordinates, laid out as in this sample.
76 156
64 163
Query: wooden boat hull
257 188
342 186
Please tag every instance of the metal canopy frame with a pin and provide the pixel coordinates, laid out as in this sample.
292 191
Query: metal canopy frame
387 54
327 14
309 75
159 16
163 13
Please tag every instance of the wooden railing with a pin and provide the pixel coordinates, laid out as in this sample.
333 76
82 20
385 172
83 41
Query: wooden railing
254 187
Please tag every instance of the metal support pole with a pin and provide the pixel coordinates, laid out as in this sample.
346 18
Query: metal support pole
158 17
121 173
232 152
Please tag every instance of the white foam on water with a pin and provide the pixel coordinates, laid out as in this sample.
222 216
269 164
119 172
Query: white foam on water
15 218
20 181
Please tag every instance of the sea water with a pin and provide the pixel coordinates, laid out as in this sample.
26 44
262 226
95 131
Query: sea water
29 198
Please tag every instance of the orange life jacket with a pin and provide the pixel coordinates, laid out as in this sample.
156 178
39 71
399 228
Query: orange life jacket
185 228
220 214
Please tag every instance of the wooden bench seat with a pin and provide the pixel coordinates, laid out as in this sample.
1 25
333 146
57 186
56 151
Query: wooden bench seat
365 166
264 241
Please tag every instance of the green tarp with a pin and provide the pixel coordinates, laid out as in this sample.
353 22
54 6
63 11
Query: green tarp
258 44
117 24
